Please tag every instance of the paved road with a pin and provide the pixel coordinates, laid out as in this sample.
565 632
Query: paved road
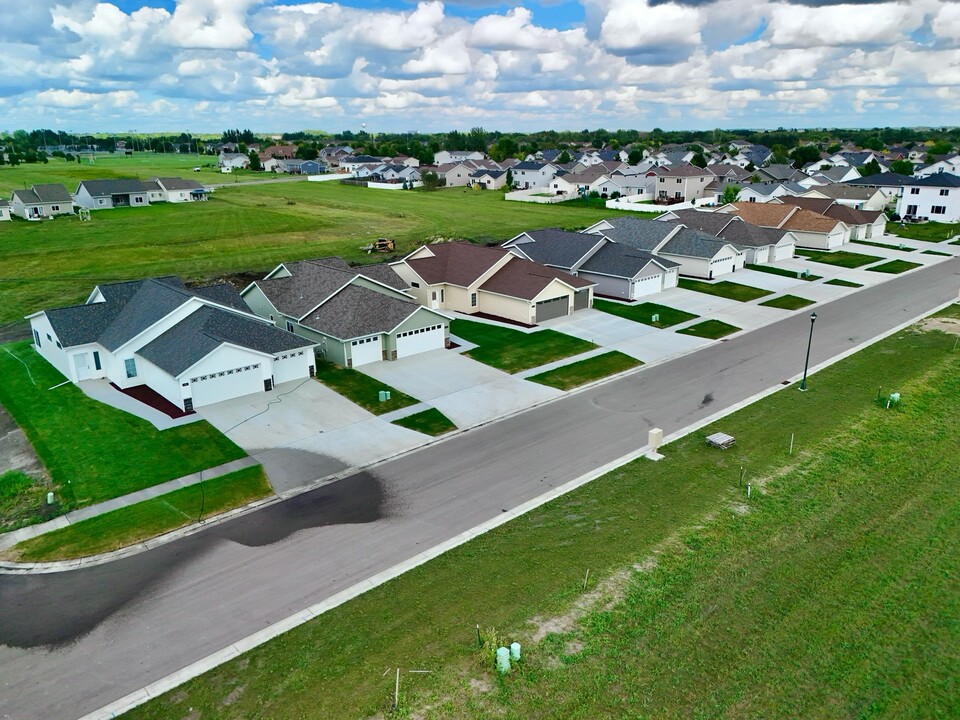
76 641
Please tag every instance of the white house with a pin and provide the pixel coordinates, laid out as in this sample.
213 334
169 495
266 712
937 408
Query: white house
446 157
193 347
178 190
528 175
106 194
232 161
41 201
935 197
950 164
4 211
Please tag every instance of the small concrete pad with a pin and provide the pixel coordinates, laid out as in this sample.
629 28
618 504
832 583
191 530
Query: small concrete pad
361 443
769 281
599 327
660 346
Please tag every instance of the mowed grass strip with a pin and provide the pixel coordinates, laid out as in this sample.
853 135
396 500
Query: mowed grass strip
784 272
787 302
333 666
936 252
894 267
361 389
888 246
710 329
92 451
429 422
580 373
929 231
843 283
142 521
644 312
511 350
725 289
840 258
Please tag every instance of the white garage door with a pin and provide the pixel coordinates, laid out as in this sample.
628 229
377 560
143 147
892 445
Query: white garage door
648 286
365 350
225 385
783 252
420 340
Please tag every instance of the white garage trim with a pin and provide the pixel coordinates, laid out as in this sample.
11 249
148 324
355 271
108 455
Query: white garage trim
421 340
365 350
647 286
225 384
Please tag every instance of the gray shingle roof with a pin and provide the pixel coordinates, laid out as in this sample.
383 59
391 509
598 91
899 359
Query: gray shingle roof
693 243
742 235
311 282
836 174
356 311
222 294
637 232
558 248
152 302
710 222
622 261
206 329
887 179
940 179
176 183
41 194
383 273
120 186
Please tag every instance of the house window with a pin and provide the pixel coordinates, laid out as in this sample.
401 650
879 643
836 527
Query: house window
138 200
473 299
96 358
49 339
914 191
289 326
938 210
414 284
678 181
678 194
56 208
130 365
36 338
100 201
943 193
441 294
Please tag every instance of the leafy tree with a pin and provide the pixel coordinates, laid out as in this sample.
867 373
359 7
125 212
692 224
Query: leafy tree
780 156
13 158
871 168
563 158
430 180
307 152
3 158
873 143
699 160
636 157
729 195
509 178
255 163
804 154
940 148
503 148
903 167
834 148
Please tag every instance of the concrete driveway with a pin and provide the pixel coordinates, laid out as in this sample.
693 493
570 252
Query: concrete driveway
466 391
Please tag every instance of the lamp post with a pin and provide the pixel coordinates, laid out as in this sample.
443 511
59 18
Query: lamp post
806 363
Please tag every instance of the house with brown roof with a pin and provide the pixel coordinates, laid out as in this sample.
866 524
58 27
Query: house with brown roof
354 316
810 229
474 279
863 224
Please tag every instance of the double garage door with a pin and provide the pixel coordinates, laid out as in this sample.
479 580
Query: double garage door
553 308
226 384
420 340
648 285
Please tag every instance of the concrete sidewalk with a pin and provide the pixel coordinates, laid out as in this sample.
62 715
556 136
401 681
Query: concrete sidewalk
12 538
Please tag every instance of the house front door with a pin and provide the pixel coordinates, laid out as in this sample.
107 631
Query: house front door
81 362
433 300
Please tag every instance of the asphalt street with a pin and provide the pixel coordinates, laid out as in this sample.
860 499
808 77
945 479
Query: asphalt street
75 641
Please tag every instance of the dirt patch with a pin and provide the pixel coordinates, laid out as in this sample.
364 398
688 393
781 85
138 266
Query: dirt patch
234 695
604 596
944 324
740 509
16 452
572 647
479 685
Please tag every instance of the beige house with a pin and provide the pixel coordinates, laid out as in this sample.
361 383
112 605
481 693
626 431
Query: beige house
492 282
682 182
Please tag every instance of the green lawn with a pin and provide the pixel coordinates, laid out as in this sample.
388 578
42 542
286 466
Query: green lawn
247 228
935 252
585 371
724 288
361 389
888 246
840 258
842 283
644 312
930 231
787 302
894 267
796 275
136 523
429 422
840 582
23 499
710 329
511 350
94 452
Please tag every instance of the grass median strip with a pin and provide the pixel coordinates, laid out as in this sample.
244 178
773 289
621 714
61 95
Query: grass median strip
888 246
580 373
894 267
361 389
92 451
787 302
936 252
429 422
644 313
150 518
840 258
710 329
525 578
511 350
843 283
773 270
929 231
725 289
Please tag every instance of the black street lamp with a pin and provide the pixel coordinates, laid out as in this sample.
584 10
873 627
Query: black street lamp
806 363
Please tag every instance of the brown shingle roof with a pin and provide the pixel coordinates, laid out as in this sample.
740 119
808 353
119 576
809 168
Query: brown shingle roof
835 210
809 221
764 214
457 263
524 279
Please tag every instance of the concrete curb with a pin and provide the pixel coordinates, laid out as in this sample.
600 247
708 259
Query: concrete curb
193 670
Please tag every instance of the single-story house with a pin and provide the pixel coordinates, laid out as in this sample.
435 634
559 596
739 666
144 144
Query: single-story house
4 211
299 167
618 270
232 161
178 190
759 244
193 346
41 201
105 194
474 279
810 229
768 191
863 224
698 253
489 179
355 316
856 196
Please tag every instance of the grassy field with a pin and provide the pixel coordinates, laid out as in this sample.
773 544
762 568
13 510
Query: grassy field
930 231
94 452
362 389
644 312
842 283
710 329
837 580
796 275
136 523
511 350
840 258
894 267
580 373
787 302
247 228
429 422
724 288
